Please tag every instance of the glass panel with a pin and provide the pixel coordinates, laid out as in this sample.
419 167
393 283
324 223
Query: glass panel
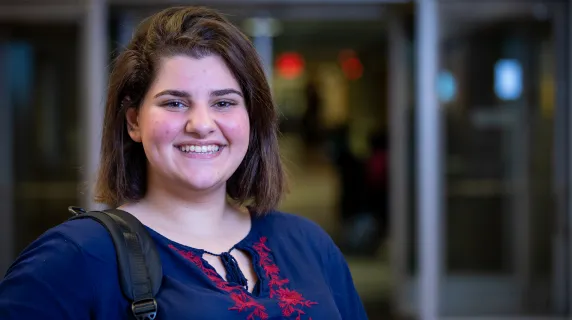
43 89
497 91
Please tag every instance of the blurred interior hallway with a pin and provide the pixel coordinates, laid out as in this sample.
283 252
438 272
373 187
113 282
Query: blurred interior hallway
313 194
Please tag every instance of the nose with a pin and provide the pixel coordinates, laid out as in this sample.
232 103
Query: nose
200 121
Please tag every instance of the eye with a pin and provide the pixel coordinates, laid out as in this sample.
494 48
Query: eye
175 104
223 104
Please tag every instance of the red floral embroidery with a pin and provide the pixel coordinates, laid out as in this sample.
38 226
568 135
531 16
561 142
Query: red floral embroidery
290 301
242 301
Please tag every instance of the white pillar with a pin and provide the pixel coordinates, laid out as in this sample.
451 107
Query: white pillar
6 165
399 140
263 42
94 77
429 160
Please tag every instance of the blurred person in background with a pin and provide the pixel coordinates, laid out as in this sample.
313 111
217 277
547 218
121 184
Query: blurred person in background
351 174
311 125
363 201
377 180
190 149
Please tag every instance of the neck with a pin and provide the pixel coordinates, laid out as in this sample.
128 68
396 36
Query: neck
201 213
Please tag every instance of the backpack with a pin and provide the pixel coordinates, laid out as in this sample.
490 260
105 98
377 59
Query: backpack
140 270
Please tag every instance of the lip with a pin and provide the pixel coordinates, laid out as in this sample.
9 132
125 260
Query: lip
200 143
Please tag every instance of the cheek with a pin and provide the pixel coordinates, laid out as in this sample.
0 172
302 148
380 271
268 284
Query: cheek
159 129
237 129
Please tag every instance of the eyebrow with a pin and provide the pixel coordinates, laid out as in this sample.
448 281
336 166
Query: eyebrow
175 93
224 92
185 94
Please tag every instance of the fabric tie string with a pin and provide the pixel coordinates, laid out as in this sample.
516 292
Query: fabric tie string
233 272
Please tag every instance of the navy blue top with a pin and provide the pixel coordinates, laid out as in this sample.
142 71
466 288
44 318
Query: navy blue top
70 272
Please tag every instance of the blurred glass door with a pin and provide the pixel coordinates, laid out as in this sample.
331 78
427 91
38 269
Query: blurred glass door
503 86
41 103
497 86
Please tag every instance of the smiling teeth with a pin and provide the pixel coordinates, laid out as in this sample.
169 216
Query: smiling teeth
212 148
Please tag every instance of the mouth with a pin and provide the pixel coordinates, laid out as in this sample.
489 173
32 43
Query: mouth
200 149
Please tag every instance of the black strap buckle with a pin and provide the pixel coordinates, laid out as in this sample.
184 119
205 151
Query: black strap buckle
144 309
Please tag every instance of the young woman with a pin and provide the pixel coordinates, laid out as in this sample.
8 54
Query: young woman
189 148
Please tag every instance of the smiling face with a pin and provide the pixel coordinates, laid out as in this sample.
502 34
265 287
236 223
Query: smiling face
193 124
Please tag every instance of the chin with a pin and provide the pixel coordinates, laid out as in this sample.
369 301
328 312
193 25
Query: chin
203 186
197 183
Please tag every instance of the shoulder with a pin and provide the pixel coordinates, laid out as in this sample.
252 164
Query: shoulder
90 237
76 259
66 246
288 223
77 252
297 231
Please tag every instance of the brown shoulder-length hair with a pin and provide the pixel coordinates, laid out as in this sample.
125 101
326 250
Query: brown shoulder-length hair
259 181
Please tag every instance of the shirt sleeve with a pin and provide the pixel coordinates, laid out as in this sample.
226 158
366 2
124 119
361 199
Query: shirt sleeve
345 294
47 281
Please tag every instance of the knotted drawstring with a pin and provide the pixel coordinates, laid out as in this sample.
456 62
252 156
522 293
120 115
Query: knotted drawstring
233 272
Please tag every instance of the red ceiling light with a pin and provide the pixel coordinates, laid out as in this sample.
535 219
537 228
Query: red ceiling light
346 54
350 64
290 65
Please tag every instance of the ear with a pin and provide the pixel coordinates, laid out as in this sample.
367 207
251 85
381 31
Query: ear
132 122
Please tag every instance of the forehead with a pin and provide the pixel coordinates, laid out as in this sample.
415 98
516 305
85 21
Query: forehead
184 72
